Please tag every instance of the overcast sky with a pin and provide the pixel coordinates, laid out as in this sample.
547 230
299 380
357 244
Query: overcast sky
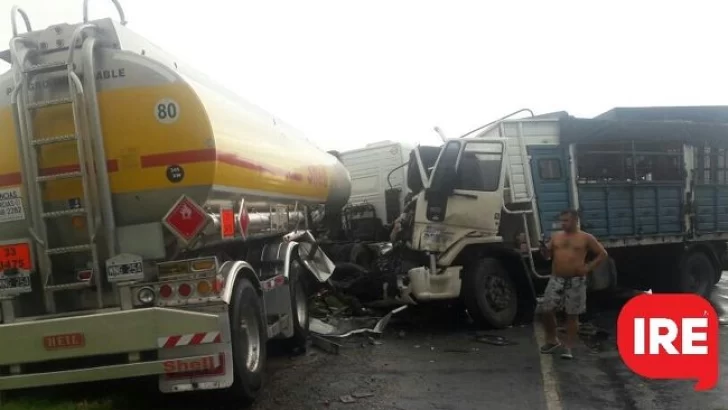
347 73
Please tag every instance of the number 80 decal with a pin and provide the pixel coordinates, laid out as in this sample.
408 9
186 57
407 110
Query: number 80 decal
166 110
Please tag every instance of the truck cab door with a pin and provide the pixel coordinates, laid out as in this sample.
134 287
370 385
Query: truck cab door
465 194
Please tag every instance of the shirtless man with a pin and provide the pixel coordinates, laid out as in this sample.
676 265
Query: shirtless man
566 289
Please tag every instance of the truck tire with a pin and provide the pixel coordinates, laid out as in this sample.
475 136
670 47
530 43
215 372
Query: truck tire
361 255
696 274
299 308
248 333
489 294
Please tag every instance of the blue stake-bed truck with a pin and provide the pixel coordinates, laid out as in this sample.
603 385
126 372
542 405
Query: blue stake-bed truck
650 183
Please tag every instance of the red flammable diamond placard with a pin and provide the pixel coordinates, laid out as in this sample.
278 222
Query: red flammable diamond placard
186 219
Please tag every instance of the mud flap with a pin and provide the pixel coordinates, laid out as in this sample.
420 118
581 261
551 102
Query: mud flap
213 371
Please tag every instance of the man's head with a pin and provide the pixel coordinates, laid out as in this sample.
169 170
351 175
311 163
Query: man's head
569 220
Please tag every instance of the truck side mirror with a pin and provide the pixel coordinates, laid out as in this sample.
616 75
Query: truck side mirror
443 183
439 192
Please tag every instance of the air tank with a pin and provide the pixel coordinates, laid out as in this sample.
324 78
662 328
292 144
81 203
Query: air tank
167 131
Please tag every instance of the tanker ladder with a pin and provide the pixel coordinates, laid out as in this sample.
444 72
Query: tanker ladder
23 49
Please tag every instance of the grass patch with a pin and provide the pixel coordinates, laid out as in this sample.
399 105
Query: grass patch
45 404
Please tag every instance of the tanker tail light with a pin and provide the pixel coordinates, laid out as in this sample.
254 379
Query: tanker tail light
185 282
189 290
185 292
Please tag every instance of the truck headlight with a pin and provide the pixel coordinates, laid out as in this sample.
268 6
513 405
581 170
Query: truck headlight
145 295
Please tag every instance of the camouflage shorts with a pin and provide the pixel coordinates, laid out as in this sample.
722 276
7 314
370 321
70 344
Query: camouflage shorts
564 294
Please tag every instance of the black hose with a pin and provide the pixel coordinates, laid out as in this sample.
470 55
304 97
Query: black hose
392 171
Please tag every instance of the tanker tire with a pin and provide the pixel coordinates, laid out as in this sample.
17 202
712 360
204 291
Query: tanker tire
489 294
299 309
247 330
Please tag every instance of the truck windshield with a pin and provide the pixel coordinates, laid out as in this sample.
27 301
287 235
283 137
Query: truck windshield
480 166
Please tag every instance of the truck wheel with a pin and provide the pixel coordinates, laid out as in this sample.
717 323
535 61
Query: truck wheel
361 255
299 308
490 294
248 341
697 274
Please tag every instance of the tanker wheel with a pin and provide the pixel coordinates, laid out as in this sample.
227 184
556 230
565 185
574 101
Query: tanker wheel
299 308
248 341
489 294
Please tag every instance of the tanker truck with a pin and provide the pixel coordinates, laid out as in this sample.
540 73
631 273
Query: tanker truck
152 223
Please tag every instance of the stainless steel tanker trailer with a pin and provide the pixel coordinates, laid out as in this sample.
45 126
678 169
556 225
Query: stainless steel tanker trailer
150 220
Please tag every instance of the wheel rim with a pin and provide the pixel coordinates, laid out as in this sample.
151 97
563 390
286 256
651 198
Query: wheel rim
249 329
301 305
497 293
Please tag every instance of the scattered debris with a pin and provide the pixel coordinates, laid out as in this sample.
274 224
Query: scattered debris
495 340
375 342
345 327
324 332
325 344
347 399
362 395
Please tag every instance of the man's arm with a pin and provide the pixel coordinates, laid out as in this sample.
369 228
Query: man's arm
597 248
546 248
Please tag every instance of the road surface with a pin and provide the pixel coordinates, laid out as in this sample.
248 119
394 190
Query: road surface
443 366
428 362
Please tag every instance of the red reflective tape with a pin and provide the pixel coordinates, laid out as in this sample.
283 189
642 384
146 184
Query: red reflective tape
172 341
211 154
112 165
197 338
14 178
218 338
10 179
179 157
171 158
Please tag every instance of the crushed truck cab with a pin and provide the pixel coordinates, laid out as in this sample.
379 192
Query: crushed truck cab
151 222
646 182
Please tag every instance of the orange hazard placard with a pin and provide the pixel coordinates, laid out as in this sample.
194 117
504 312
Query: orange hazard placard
15 255
227 223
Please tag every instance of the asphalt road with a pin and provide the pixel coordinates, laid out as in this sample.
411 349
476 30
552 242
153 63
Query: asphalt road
432 361
599 379
441 365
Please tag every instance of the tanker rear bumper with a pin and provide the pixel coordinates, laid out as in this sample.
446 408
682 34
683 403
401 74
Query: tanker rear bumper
142 342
